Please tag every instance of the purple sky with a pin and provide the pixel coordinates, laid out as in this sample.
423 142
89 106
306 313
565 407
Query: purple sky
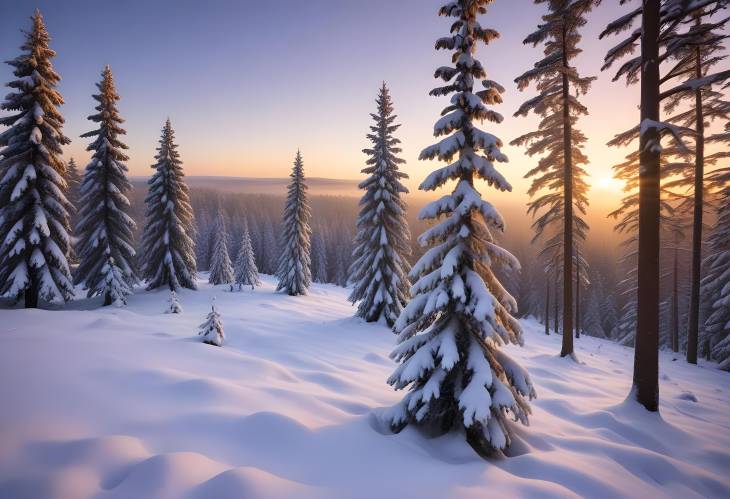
246 83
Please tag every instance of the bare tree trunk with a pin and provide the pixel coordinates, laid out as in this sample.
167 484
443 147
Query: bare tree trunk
556 325
31 293
646 351
675 301
577 297
567 347
694 299
547 306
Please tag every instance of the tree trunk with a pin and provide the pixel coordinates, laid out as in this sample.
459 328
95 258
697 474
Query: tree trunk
31 293
577 297
107 299
567 347
547 307
646 351
675 302
694 299
556 307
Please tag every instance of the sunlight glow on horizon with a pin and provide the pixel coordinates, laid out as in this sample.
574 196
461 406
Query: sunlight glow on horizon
240 111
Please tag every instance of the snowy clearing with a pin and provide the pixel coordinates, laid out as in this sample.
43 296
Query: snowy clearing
128 403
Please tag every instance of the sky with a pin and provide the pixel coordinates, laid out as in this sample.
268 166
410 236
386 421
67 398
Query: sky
247 83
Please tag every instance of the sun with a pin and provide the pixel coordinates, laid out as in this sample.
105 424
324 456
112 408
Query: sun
607 183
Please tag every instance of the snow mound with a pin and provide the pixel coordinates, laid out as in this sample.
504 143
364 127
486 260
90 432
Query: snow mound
128 403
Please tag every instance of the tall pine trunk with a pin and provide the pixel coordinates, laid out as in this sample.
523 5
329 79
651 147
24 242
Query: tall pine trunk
694 300
547 306
675 302
567 348
31 293
577 297
556 307
646 351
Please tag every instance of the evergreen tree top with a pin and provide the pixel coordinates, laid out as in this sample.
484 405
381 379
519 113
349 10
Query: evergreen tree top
35 97
383 154
298 170
74 173
108 117
167 153
560 28
463 138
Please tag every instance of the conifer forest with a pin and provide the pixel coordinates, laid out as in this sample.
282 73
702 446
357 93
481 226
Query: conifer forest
398 248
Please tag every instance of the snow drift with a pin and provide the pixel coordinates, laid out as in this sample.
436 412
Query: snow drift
128 403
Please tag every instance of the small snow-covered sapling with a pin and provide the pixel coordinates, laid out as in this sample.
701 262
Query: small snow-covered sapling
212 329
175 307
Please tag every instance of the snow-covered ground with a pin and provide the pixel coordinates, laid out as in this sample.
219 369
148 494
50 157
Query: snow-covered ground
127 403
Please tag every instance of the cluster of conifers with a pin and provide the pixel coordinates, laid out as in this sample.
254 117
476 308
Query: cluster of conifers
34 259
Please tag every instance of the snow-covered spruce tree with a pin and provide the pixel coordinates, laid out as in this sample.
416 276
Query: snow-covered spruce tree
174 307
221 270
212 329
379 272
716 284
33 206
203 239
271 252
74 177
246 272
451 331
559 189
319 258
167 241
294 270
105 247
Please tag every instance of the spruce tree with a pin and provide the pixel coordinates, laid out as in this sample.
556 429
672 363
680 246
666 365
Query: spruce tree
74 177
271 253
212 329
33 206
450 333
203 239
294 270
104 231
246 272
167 241
319 258
716 284
379 272
221 270
558 179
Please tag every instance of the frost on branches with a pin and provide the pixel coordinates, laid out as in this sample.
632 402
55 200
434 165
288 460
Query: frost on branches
379 272
167 242
294 270
221 270
33 206
451 332
246 272
212 329
105 247
716 284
